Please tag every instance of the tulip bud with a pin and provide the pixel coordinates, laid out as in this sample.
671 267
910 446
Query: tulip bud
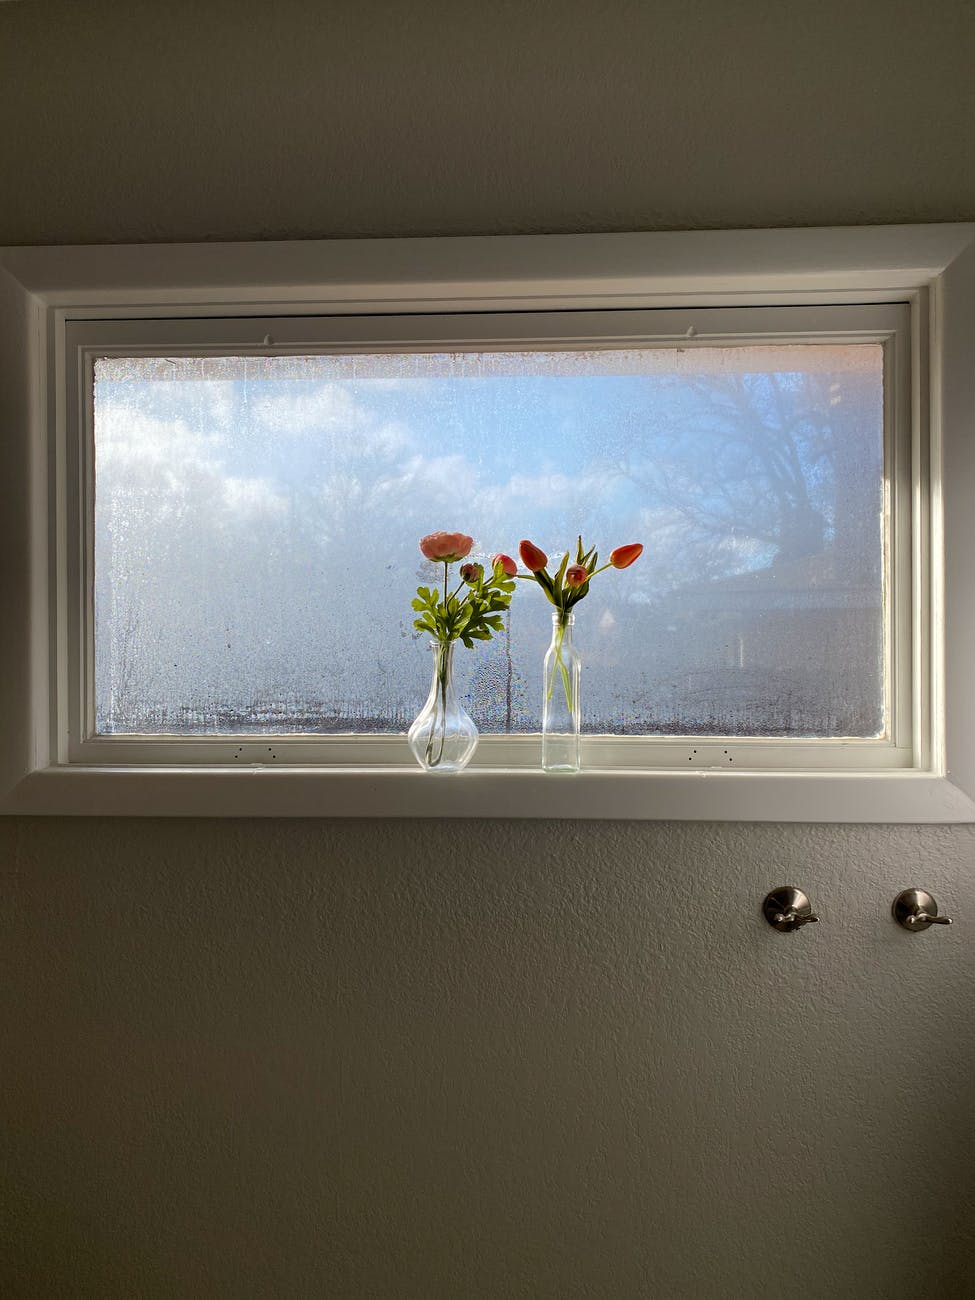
531 557
508 565
624 556
576 575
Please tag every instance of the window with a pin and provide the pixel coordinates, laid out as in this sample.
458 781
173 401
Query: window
217 469
229 595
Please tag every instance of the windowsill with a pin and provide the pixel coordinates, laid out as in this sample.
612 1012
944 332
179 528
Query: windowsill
700 795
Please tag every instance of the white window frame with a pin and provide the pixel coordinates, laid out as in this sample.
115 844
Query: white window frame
886 324
47 764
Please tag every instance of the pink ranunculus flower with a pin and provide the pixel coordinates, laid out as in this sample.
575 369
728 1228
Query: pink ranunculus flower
576 575
446 548
509 567
470 572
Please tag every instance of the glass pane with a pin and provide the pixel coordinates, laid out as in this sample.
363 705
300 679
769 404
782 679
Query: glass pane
256 527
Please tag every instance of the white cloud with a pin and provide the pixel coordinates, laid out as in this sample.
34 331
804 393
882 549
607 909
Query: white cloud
127 437
330 408
433 479
355 431
219 401
391 438
253 496
553 488
166 462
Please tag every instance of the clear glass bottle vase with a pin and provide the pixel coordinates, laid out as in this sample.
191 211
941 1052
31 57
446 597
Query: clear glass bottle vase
560 699
443 737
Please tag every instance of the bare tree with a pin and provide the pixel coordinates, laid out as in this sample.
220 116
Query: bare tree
744 461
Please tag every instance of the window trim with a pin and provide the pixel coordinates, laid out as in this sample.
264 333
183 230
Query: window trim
85 341
41 290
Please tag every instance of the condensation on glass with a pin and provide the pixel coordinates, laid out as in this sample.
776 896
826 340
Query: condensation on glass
257 518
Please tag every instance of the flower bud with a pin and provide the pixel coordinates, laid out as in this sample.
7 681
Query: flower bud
531 557
507 564
624 556
471 573
576 575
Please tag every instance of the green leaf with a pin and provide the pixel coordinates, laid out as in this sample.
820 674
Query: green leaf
561 573
580 593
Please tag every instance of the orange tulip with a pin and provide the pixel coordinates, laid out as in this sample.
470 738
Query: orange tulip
576 575
531 557
624 556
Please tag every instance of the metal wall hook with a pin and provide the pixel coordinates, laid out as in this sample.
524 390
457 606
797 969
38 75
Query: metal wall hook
788 908
915 910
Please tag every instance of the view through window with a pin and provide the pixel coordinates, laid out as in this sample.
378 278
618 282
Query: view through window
257 520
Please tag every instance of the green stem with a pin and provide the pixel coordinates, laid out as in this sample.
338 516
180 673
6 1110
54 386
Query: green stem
441 659
558 664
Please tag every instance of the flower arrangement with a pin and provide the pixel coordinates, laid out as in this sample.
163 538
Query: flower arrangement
443 737
564 589
571 582
476 615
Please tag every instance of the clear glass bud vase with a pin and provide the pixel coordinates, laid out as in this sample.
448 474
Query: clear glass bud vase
443 737
560 699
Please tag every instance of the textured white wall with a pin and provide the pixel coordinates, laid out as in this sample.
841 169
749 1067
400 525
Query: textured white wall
461 1059
478 1060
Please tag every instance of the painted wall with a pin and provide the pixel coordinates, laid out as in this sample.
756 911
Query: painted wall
231 119
387 1059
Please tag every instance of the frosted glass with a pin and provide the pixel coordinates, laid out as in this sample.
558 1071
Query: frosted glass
256 527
